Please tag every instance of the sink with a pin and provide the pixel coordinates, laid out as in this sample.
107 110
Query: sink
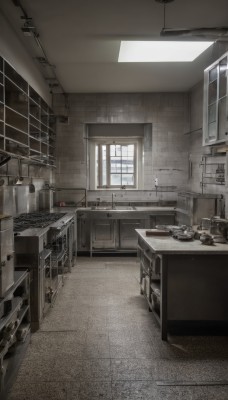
115 208
146 208
101 208
123 208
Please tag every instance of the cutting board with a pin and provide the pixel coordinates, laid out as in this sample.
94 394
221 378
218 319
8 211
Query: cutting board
157 232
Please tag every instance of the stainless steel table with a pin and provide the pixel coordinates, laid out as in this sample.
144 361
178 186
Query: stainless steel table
185 283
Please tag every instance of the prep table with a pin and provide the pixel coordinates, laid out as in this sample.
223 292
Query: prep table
185 283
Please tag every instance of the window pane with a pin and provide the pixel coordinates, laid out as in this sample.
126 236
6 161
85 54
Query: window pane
212 92
213 74
222 128
124 151
115 165
104 165
212 113
115 179
212 131
222 77
128 165
127 179
97 164
131 149
115 150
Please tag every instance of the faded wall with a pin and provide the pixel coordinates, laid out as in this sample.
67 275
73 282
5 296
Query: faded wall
167 159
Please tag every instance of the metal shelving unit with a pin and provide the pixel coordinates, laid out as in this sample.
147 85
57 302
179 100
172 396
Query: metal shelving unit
216 175
14 329
27 124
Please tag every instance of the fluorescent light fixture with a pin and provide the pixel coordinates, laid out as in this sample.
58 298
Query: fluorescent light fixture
161 51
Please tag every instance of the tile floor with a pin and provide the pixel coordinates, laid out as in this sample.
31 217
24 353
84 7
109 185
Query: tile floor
100 342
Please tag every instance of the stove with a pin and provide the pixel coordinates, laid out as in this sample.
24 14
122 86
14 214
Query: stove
35 220
44 245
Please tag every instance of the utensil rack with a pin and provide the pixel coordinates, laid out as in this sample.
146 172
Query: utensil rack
216 175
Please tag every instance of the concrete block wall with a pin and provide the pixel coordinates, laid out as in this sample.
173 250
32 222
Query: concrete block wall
167 160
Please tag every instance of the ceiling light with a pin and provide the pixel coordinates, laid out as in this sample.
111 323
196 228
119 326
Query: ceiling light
161 51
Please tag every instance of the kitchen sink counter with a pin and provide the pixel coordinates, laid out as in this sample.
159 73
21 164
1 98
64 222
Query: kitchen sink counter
103 228
116 209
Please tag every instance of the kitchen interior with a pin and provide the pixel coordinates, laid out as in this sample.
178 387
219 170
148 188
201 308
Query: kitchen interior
114 200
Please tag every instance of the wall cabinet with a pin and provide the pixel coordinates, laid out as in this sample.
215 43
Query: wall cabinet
215 123
27 124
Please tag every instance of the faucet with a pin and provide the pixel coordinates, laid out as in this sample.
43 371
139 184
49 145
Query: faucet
113 194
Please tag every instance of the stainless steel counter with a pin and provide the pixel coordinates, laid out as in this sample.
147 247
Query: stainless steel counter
185 284
169 245
113 230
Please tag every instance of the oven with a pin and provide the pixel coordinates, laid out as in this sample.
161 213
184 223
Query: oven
42 243
6 254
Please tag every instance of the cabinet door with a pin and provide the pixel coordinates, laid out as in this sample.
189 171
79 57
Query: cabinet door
103 234
83 234
215 126
128 236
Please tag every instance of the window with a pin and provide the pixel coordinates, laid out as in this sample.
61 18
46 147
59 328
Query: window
116 165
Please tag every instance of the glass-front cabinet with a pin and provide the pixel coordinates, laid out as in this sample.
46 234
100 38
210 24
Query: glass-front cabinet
215 123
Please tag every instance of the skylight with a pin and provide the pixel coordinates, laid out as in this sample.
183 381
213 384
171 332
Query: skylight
161 51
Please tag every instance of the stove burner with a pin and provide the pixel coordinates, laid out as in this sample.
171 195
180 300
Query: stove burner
35 220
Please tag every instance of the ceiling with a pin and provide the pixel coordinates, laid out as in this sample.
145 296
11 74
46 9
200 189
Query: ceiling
81 39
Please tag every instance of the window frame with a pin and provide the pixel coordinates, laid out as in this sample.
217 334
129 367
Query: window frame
99 173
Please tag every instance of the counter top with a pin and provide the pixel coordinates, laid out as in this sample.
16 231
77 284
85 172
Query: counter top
169 245
67 216
127 209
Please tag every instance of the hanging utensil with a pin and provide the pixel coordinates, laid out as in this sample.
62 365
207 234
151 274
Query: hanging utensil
19 178
31 187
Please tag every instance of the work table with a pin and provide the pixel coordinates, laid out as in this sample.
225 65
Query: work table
169 245
185 284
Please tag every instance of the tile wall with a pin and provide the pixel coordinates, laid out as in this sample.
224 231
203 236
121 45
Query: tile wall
167 160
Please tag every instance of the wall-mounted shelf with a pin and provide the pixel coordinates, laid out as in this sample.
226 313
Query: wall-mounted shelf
27 124
213 173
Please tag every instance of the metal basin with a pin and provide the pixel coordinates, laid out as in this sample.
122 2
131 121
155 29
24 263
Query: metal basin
102 208
124 208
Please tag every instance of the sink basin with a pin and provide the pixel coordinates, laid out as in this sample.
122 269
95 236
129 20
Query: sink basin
115 208
146 208
101 208
123 208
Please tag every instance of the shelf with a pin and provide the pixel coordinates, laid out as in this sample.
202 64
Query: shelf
34 122
14 330
16 120
17 79
15 135
34 96
26 120
1 128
